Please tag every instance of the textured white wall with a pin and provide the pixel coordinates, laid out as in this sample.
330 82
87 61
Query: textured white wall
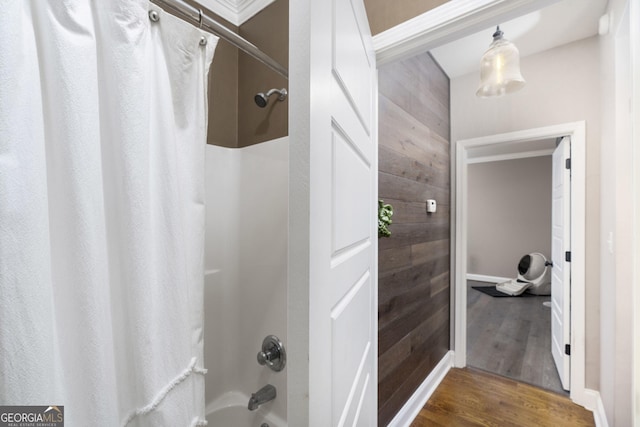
509 211
245 268
616 222
563 85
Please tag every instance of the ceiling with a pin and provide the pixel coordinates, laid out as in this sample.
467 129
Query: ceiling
561 23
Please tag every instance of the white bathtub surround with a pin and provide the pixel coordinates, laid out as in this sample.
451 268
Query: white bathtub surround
246 274
102 119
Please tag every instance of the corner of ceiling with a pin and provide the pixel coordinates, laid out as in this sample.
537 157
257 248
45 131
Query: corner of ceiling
236 11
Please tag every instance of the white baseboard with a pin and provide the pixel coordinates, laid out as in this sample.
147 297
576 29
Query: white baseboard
485 278
412 408
593 402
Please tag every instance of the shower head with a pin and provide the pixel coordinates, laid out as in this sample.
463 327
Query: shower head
262 99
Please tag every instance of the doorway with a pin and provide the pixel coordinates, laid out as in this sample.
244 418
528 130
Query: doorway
576 131
510 223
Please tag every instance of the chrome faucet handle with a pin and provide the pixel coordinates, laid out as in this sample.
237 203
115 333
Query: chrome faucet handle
272 354
267 357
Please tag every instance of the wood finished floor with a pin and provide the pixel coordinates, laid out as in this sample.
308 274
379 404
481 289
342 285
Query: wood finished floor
469 397
511 337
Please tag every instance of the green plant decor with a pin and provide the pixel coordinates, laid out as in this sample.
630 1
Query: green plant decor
385 212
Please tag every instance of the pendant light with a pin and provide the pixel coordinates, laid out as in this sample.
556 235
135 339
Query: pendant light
500 68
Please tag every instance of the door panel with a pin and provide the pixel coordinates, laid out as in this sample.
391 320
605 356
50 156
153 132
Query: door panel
351 343
560 273
350 57
351 195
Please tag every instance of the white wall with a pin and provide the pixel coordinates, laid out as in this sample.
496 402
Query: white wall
616 222
509 214
246 268
563 85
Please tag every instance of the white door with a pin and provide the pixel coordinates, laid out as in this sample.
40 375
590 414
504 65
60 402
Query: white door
560 255
334 161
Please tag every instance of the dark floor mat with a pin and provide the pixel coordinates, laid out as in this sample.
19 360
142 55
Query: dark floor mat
492 291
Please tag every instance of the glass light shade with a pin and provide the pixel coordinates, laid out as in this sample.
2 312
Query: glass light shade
500 68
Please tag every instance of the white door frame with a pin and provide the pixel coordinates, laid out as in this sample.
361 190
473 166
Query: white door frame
634 16
576 130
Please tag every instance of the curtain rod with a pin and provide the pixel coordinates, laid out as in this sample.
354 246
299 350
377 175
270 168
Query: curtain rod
201 19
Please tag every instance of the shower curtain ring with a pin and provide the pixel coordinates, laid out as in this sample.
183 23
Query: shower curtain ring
154 15
201 14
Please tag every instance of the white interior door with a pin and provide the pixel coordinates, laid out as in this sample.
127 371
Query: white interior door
336 151
560 255
343 243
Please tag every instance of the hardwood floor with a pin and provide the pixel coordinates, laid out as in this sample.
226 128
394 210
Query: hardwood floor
469 397
511 337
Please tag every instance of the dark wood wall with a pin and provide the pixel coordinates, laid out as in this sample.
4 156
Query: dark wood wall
414 298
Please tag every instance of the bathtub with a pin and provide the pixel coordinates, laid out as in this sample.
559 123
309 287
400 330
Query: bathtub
230 410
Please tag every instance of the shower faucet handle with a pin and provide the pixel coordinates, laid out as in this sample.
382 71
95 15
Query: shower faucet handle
266 359
272 354
268 356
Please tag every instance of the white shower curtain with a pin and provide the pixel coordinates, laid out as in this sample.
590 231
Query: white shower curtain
102 133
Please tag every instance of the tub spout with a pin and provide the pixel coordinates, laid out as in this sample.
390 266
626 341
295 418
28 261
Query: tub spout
264 395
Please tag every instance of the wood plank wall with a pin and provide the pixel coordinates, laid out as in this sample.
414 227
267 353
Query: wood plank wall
414 302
